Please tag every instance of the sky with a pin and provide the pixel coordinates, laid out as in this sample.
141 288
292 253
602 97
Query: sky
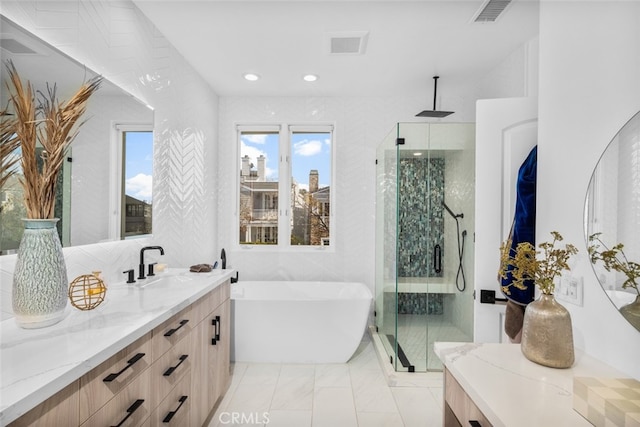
139 165
308 151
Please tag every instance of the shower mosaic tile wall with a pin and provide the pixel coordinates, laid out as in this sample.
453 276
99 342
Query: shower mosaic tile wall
420 230
418 303
420 220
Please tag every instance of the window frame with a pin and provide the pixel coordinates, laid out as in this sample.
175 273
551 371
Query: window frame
116 185
285 130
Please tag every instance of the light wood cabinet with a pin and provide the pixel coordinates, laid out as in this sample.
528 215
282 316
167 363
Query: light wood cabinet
114 375
169 369
174 375
459 409
172 331
61 409
130 407
210 378
175 409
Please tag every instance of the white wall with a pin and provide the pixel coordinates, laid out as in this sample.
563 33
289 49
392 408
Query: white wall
589 87
115 39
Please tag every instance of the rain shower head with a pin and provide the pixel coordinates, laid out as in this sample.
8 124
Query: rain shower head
434 112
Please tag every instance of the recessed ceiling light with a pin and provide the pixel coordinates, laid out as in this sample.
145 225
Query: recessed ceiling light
310 78
417 153
251 77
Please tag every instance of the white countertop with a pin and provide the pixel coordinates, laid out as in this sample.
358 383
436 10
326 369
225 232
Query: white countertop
510 390
37 363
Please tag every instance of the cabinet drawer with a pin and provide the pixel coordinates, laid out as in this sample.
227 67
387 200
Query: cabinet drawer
172 331
60 409
131 407
175 409
167 371
461 404
104 382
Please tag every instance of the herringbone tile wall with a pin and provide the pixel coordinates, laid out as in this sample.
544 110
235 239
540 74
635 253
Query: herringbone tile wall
116 40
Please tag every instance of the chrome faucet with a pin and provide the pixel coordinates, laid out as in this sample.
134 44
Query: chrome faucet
141 266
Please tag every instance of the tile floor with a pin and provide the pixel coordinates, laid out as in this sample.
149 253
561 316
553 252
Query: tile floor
353 394
418 332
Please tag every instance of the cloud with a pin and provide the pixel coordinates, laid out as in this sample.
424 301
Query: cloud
254 138
139 187
307 148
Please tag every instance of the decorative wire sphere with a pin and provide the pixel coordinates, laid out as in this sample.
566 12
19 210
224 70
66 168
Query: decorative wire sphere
86 292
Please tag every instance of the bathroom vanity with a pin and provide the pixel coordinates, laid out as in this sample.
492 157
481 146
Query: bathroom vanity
495 385
154 353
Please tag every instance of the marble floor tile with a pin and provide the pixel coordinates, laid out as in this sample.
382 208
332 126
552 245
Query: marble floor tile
294 393
289 419
251 398
332 376
379 419
333 406
417 406
353 394
261 374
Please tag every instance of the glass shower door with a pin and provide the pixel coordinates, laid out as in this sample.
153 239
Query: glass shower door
386 232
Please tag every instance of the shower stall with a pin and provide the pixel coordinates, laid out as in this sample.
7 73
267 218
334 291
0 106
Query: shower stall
424 241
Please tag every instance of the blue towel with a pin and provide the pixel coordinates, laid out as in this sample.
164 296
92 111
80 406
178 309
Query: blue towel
524 222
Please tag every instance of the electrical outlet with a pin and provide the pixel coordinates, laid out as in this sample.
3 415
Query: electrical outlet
570 290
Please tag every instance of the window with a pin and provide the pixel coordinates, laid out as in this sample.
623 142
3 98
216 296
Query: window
285 185
12 209
134 196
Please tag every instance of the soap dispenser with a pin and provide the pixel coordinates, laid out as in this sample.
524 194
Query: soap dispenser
223 259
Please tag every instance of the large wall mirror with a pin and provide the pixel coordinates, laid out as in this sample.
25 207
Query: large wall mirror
612 214
105 190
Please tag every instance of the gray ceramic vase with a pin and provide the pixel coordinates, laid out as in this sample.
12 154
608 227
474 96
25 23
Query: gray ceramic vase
40 283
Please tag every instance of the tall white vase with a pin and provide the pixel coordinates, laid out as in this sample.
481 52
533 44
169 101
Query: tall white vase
40 283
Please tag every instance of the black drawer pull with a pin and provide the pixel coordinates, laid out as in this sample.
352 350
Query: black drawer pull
216 322
130 411
172 413
173 331
474 423
169 371
130 363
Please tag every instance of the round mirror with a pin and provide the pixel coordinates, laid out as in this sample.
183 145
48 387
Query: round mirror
612 220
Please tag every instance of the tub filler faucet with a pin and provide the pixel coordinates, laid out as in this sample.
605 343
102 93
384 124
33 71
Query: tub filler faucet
141 266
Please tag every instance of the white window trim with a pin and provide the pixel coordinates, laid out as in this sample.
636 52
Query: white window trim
284 170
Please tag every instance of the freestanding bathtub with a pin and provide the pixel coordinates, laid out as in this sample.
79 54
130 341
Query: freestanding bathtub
297 322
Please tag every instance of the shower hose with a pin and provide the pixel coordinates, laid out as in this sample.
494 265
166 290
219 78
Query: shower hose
460 273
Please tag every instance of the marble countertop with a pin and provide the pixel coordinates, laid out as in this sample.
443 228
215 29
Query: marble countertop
37 363
511 390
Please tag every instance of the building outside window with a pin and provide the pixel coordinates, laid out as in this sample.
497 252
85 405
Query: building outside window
285 185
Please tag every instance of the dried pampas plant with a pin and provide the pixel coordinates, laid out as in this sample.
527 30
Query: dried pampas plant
51 123
8 146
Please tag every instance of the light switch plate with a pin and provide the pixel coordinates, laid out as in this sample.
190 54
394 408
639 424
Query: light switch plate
570 290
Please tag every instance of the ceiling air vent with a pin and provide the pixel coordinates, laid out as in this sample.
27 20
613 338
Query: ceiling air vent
491 10
353 43
14 46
